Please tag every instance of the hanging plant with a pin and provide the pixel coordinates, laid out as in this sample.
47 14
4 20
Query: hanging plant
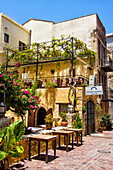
58 65
84 109
40 67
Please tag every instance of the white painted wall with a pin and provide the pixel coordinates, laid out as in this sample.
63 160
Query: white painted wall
80 27
15 31
41 31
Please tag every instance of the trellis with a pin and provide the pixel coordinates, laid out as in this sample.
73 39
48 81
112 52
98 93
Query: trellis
52 51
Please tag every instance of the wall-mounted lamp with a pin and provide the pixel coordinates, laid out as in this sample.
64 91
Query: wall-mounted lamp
6 28
84 101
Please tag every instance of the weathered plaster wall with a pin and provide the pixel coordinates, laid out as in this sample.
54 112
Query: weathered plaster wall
41 31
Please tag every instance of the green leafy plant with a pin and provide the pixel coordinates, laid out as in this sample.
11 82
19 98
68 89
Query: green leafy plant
50 84
57 49
98 111
49 118
105 120
85 85
84 109
9 139
78 124
64 117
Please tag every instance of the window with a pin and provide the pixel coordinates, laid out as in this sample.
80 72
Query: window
63 107
6 38
21 46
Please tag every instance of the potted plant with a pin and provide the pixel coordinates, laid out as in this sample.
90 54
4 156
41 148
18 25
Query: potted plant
50 84
108 121
100 129
64 121
9 146
78 124
49 121
105 121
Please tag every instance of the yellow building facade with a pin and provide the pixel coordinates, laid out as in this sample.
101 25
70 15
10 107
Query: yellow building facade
57 99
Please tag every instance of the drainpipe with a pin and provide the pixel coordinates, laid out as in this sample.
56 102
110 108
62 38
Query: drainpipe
37 61
7 60
71 58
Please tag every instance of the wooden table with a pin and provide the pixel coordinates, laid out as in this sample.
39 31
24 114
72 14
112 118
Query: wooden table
66 134
44 138
77 131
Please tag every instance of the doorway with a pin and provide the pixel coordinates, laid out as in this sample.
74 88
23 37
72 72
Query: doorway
90 117
41 116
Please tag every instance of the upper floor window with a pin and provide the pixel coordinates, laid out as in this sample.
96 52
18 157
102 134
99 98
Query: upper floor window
21 46
6 38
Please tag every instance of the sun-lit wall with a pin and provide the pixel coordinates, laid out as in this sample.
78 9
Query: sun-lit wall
14 31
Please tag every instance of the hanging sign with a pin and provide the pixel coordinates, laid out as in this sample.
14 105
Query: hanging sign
94 90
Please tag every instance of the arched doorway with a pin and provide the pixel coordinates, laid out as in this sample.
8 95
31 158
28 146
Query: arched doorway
41 116
90 117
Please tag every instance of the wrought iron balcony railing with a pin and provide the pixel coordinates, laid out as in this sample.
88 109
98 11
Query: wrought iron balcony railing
107 94
107 65
57 81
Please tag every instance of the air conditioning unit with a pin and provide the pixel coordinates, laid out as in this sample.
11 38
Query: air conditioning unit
91 80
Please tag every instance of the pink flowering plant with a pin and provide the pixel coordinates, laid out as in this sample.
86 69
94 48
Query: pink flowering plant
18 98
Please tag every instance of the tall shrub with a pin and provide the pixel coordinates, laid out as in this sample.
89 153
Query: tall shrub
18 98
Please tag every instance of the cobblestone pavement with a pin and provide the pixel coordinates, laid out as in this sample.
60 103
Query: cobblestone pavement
96 153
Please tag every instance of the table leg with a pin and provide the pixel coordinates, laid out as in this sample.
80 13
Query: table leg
29 149
64 139
59 141
81 138
55 148
38 147
67 142
69 139
46 159
77 138
72 142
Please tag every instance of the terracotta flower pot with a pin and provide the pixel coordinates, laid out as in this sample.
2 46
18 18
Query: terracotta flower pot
48 125
104 127
64 124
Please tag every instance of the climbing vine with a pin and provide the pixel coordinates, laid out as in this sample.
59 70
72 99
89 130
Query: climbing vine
54 50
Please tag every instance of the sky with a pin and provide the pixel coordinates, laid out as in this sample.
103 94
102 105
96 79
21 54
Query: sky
58 10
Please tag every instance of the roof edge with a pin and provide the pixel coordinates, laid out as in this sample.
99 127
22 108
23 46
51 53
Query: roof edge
60 21
37 20
14 22
109 35
77 18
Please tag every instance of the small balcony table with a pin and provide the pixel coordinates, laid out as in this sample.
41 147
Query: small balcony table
77 131
66 134
44 138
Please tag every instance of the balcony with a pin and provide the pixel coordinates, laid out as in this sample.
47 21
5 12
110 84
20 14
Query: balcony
107 95
107 65
57 81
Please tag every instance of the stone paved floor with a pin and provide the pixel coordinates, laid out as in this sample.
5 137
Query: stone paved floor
96 153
